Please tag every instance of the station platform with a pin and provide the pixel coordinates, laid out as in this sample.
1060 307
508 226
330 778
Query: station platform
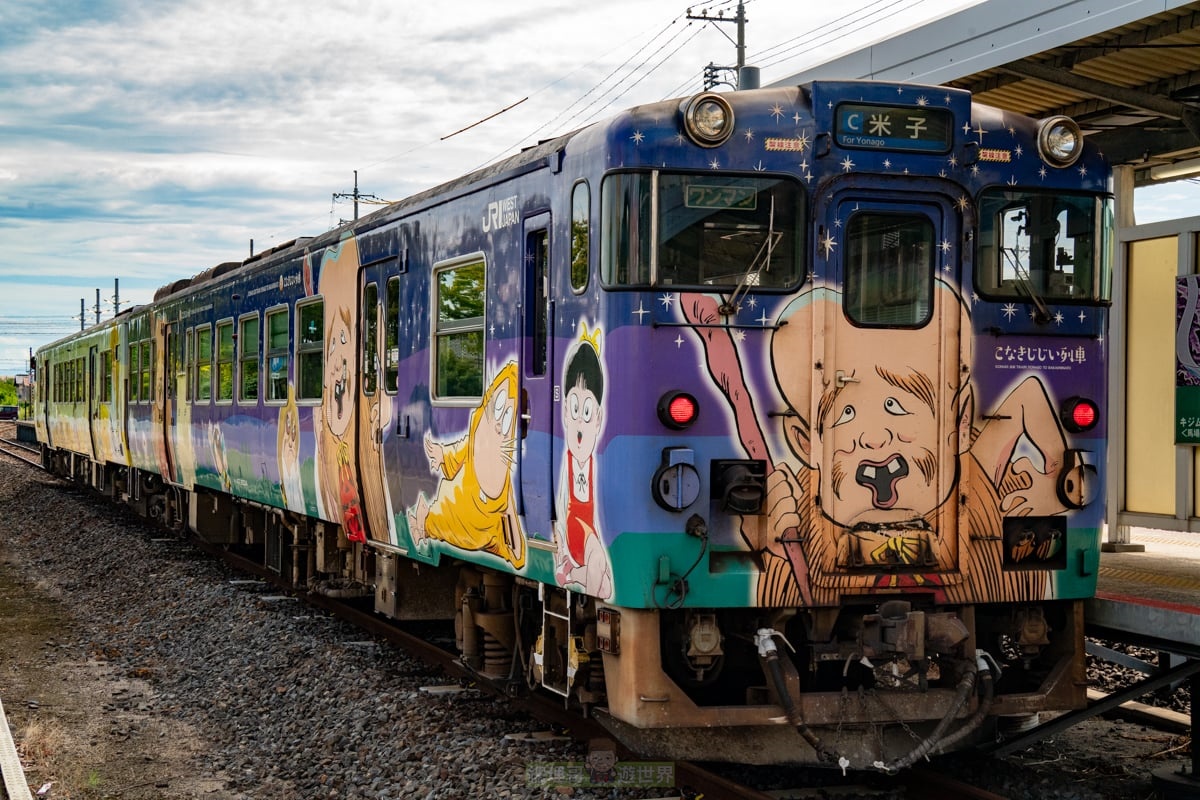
1151 597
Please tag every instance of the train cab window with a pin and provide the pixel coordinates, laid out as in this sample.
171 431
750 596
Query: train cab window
310 349
225 361
277 355
581 209
702 231
889 266
458 332
391 352
370 342
1036 245
204 363
249 349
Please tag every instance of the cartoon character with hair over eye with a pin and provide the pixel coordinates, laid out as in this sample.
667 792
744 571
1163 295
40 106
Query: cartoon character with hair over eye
580 560
472 507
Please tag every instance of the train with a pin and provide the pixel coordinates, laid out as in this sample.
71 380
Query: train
763 426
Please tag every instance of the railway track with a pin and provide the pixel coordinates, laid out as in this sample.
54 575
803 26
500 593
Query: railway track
21 451
693 781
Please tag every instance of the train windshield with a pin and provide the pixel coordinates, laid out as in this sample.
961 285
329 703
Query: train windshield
1040 245
701 231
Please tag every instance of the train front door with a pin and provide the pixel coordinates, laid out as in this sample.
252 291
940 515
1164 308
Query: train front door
534 463
892 407
374 402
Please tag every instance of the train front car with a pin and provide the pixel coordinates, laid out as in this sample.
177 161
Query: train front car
836 435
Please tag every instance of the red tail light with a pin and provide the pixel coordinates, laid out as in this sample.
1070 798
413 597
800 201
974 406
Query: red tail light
1079 414
678 410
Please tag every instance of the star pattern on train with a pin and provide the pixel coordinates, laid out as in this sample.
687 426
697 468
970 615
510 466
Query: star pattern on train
1009 311
638 137
847 164
828 243
777 112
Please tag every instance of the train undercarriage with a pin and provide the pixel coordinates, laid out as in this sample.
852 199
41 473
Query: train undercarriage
878 683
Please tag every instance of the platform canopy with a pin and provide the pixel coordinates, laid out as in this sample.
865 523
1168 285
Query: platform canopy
1127 70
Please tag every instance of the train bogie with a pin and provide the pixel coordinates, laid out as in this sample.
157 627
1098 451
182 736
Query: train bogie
763 426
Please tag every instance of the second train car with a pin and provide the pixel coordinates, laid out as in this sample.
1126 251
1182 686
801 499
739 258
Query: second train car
765 426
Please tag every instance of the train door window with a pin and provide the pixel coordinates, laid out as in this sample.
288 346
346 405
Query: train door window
391 352
458 329
204 363
277 355
370 349
888 269
106 362
581 208
225 361
310 349
80 380
249 349
172 360
537 258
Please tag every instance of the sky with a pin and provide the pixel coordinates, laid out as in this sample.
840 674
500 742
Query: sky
143 141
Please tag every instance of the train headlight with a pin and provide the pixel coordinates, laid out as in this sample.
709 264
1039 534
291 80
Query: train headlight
708 119
1060 141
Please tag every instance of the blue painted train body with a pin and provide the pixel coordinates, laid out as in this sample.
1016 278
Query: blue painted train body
823 364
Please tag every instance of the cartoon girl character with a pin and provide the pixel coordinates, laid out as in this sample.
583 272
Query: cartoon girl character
580 560
472 507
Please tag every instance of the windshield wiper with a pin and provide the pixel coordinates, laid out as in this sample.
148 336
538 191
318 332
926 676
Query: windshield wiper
1042 314
760 263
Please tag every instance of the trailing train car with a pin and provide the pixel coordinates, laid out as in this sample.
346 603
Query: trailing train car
764 426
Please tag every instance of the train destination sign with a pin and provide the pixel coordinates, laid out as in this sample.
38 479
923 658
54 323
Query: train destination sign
872 127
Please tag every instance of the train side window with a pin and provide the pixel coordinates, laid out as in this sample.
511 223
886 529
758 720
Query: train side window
189 363
225 361
581 208
277 355
370 344
889 267
204 363
310 355
391 353
133 372
458 330
249 350
146 375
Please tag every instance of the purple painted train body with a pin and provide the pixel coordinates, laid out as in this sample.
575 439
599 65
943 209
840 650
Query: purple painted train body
820 365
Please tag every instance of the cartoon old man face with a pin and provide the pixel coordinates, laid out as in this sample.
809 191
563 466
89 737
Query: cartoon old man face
891 409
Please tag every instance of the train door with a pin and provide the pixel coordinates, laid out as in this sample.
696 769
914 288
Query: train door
167 391
374 404
892 404
533 452
93 398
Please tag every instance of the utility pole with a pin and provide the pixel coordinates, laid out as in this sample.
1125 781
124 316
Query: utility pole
97 308
745 77
357 196
116 296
